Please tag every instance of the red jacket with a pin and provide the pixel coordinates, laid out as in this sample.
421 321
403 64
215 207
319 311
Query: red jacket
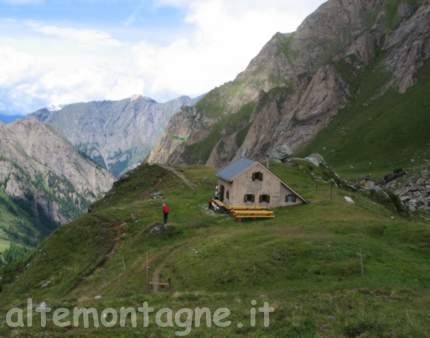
166 209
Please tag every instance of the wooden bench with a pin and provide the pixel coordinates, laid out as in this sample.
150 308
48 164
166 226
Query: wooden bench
251 214
248 208
243 212
257 211
242 217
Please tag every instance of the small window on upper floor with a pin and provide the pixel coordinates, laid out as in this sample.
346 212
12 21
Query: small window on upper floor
257 176
227 195
291 198
264 198
249 198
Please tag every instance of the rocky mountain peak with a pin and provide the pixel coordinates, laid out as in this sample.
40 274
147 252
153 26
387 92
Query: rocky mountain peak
299 81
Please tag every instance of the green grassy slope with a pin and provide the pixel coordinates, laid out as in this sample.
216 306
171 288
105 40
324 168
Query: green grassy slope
4 244
305 262
21 223
377 135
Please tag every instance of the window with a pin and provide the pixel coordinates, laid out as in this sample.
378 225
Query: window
249 198
264 198
258 176
291 198
227 195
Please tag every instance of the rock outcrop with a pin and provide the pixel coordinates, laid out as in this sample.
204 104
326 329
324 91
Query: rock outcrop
300 81
409 45
294 120
413 190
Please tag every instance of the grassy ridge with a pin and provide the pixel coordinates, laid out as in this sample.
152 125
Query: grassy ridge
305 261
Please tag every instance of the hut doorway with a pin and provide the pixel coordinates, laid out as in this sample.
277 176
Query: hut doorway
221 193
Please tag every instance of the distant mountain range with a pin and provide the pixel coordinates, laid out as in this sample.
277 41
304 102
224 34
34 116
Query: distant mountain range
117 135
9 118
44 182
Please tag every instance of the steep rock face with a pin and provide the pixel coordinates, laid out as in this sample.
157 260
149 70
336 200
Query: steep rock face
288 121
409 46
44 174
300 81
179 130
117 135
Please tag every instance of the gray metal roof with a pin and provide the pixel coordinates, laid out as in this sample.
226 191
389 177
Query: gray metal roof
235 168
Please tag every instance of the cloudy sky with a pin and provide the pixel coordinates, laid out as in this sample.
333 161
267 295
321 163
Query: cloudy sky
54 52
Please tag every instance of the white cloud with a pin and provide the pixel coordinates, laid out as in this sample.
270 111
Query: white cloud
32 81
86 37
227 35
57 64
14 66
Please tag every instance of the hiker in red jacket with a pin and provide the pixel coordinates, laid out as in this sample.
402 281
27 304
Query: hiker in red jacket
166 210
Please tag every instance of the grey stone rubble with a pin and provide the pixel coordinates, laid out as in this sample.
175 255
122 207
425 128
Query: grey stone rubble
415 191
412 189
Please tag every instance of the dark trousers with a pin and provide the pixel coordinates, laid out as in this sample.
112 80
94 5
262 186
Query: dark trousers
166 216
